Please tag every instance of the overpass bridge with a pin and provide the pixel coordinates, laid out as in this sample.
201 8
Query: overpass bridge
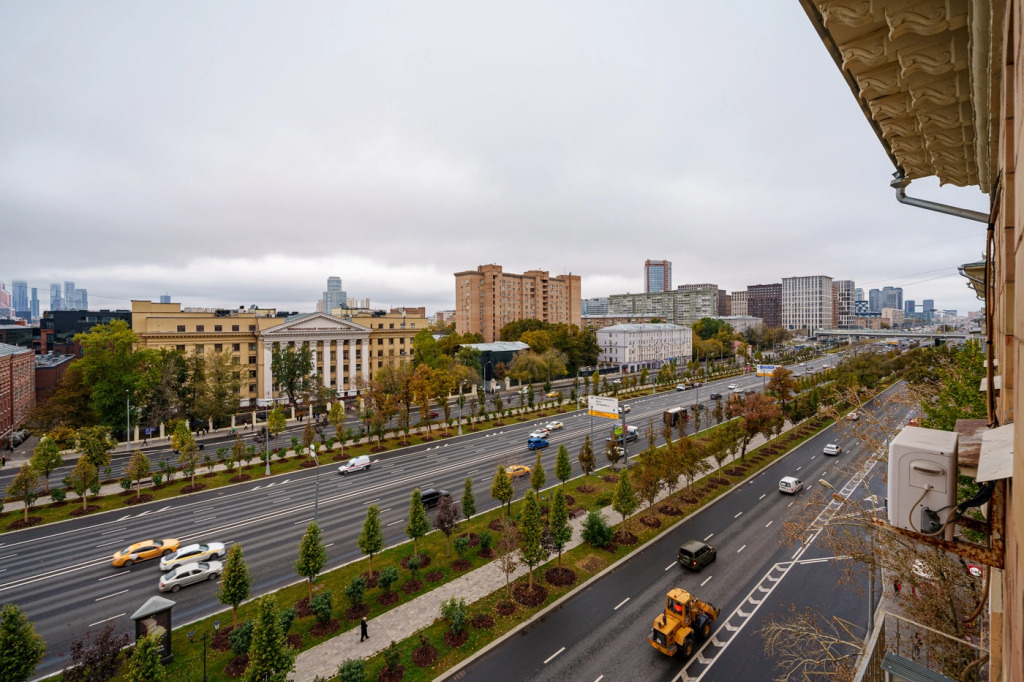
895 333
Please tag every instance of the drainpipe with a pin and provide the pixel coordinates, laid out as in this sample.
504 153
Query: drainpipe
900 183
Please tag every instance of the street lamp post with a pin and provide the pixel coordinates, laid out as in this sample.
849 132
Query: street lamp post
128 414
205 637
316 498
266 445
461 384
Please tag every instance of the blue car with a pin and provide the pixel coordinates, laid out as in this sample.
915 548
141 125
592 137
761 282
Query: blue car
536 443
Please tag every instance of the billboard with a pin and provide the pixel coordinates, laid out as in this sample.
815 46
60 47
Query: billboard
766 370
600 406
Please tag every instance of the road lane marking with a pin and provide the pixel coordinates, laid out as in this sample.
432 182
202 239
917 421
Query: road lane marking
328 544
799 468
106 619
549 658
670 565
394 522
372 501
111 595
706 580
302 521
204 519
621 603
9 556
741 549
116 530
737 516
762 497
599 678
769 523
385 510
113 542
709 537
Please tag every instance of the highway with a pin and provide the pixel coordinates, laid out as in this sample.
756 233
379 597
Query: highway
60 574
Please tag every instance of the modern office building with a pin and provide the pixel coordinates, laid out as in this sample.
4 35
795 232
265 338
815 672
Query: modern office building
807 303
875 300
594 306
909 307
859 293
19 299
34 304
635 346
843 303
927 306
57 328
6 303
657 276
486 299
765 301
739 302
335 297
56 300
165 298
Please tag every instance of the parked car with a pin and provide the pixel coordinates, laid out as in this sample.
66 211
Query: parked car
832 449
354 464
192 553
188 574
147 549
536 443
517 470
790 485
540 433
431 497
553 426
695 555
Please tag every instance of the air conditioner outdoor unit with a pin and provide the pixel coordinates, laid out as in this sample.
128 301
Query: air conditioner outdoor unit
922 480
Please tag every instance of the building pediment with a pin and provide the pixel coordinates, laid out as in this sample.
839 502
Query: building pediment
314 325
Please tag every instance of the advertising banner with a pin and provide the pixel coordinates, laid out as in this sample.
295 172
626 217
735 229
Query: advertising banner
766 370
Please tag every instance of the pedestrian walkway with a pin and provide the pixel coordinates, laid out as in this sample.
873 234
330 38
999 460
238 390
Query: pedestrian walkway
409 618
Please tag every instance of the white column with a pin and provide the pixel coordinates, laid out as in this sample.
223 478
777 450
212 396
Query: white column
365 358
351 363
327 363
268 389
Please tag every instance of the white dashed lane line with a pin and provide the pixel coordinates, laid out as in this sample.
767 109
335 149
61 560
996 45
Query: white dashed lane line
111 595
737 515
706 580
552 656
709 537
741 549
106 619
620 604
116 575
768 524
670 565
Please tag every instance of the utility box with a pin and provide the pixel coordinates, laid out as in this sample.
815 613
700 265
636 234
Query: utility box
922 480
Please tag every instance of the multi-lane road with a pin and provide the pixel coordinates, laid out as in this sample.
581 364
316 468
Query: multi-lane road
61 575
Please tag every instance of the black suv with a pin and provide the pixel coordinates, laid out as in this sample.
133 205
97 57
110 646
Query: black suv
695 555
716 396
431 497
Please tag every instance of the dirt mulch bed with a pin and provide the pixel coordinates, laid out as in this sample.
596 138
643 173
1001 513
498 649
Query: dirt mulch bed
560 577
424 561
506 608
209 474
388 598
526 597
585 489
434 576
721 480
139 500
611 547
386 674
294 641
499 423
412 586
591 563
54 505
240 478
610 478
461 565
22 523
308 464
302 609
570 500
371 580
670 510
427 439
651 521
482 621
237 666
222 639
185 490
736 471
498 524
341 457
486 553
455 641
424 655
357 612
82 512
379 448
321 629
473 538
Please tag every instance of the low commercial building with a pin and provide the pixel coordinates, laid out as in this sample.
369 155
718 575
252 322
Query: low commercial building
633 347
601 321
17 388
493 353
741 323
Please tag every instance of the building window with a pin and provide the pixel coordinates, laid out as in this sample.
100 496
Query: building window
200 328
217 348
181 327
236 347
252 346
180 347
252 374
234 327
252 388
217 328
252 359
199 348
252 327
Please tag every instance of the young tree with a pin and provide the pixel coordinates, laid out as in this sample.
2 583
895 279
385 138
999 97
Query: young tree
446 520
648 481
95 656
586 457
83 477
502 489
276 422
531 529
270 657
21 648
46 459
419 524
468 500
371 540
308 437
563 468
238 452
144 664
312 556
624 500
612 449
235 582
538 478
94 444
24 485
189 459
508 554
561 531
138 468
337 418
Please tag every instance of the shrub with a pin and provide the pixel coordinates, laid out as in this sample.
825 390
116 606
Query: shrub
486 541
322 605
125 484
58 494
388 577
95 657
287 617
461 547
414 566
392 656
240 638
158 479
596 530
355 591
352 670
605 500
454 611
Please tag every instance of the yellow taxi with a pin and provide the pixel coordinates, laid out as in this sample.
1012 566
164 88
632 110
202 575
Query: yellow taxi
517 470
147 549
554 394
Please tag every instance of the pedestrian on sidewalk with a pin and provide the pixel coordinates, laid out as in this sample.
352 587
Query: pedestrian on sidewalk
3 460
897 586
363 629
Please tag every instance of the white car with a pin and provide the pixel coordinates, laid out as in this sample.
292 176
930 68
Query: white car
354 464
553 426
624 408
832 449
187 574
790 485
737 390
733 387
192 553
540 433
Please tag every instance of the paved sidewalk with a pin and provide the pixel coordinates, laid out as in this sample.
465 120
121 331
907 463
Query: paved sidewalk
406 620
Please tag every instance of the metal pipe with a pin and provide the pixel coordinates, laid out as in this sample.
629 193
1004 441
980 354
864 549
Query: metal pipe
900 183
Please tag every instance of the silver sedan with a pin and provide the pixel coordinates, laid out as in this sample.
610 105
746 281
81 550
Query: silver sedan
192 553
188 574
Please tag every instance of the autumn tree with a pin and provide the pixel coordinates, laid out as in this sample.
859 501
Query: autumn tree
94 444
563 468
612 449
782 385
83 477
138 468
291 369
235 582
421 385
446 520
648 481
46 459
502 489
276 423
419 524
24 485
586 457
759 415
531 530
371 539
312 556
508 554
561 531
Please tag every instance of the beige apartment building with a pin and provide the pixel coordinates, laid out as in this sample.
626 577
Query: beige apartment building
486 299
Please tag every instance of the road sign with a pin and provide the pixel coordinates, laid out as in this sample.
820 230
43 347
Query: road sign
600 406
766 370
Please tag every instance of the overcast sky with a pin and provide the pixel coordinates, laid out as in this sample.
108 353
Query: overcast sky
233 153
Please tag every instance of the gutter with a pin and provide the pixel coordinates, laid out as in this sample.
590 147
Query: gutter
900 183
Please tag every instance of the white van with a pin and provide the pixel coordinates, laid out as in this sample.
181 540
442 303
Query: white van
790 485
354 464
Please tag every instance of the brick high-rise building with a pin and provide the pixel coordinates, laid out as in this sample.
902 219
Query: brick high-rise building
486 299
17 388
765 301
657 276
